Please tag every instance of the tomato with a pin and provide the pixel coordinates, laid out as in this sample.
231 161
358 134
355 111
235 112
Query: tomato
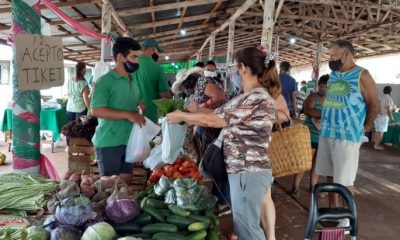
154 178
187 163
168 168
184 170
138 164
178 161
176 168
159 172
178 175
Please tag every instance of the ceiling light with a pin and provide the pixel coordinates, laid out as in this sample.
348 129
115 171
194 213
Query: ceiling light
166 57
173 64
176 66
292 40
183 32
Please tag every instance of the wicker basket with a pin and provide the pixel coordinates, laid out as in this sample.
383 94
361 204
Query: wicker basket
290 150
80 153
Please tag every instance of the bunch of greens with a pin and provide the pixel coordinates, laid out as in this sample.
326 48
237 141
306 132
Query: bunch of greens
22 191
166 106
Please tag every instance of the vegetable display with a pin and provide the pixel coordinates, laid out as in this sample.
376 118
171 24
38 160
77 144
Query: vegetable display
65 233
166 106
99 231
74 210
182 168
84 127
120 211
22 191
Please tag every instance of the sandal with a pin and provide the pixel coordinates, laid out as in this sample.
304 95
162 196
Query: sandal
295 192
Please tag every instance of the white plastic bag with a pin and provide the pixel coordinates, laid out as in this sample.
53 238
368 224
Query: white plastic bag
138 148
173 138
100 68
154 160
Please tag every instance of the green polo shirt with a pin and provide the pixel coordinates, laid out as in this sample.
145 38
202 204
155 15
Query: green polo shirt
152 82
119 93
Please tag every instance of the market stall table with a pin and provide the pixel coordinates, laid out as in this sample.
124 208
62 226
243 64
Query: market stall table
392 136
50 120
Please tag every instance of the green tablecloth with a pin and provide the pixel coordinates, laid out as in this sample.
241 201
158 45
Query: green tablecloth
50 120
396 117
392 136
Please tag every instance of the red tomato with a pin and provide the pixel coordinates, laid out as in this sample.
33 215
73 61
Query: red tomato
178 175
159 172
176 168
178 161
187 163
184 170
154 178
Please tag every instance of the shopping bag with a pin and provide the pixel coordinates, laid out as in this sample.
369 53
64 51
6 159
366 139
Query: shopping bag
173 138
138 148
154 160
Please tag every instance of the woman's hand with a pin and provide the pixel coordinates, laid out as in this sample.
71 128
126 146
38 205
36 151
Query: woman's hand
136 119
175 117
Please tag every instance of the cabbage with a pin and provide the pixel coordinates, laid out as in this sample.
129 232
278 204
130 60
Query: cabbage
93 221
36 233
65 233
99 231
74 210
122 210
50 223
129 238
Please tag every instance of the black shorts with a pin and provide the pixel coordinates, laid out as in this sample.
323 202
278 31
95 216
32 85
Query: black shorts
314 145
111 161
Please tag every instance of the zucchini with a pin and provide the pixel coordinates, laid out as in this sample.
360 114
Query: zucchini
142 219
212 234
197 226
160 227
199 235
127 228
157 204
154 213
165 212
178 210
168 236
200 218
179 221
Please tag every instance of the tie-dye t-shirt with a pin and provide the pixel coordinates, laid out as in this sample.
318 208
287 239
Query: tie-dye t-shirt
246 138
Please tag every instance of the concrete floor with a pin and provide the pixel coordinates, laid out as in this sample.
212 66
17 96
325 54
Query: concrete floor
377 195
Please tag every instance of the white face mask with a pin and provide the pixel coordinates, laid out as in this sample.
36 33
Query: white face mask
236 79
209 74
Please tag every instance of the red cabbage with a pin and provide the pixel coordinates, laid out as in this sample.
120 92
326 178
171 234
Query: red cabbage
65 233
123 210
74 211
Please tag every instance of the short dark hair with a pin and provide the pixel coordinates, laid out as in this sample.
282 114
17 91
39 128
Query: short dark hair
211 62
387 90
80 66
344 44
285 66
303 82
199 64
123 45
323 80
191 81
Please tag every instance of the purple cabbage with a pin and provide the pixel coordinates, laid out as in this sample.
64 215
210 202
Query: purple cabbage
65 232
74 211
123 210
50 223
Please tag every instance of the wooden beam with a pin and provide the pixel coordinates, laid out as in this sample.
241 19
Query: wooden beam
167 33
173 37
170 21
81 44
231 40
89 19
182 40
163 7
116 17
349 3
153 16
213 11
268 25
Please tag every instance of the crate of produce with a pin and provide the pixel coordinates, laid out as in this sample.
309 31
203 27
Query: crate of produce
139 178
80 154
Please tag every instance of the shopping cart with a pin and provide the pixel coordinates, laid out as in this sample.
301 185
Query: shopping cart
317 214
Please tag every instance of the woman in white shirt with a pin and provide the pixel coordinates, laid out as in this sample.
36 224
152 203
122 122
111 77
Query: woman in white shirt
385 115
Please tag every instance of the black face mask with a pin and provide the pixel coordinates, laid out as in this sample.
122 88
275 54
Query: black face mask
155 57
335 65
131 67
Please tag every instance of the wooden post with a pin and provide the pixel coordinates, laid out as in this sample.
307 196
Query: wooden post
198 56
106 29
231 40
268 25
317 63
276 49
212 47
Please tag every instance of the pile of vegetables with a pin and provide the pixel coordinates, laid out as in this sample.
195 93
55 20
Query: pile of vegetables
84 127
164 220
182 168
22 191
166 106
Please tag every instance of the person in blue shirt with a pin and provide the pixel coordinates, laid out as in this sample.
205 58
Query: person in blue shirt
289 87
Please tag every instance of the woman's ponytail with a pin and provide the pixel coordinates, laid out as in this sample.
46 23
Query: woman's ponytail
270 80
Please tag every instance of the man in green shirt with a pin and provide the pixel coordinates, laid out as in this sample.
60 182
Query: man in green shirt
152 81
115 103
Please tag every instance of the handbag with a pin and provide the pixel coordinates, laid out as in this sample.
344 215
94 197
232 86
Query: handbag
213 161
290 149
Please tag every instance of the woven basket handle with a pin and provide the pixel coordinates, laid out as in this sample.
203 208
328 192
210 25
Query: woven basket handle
278 123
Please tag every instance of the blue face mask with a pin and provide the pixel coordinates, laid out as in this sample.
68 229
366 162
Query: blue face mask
236 79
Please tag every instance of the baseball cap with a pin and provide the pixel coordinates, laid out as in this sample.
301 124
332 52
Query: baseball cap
152 43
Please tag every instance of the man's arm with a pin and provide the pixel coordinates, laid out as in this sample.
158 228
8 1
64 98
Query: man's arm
112 114
166 95
309 104
368 90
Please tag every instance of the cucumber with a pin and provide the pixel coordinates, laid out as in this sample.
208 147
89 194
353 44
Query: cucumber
179 221
165 212
178 210
168 236
193 208
197 226
199 235
157 204
142 219
127 228
200 218
140 235
154 213
159 227
212 234
143 202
